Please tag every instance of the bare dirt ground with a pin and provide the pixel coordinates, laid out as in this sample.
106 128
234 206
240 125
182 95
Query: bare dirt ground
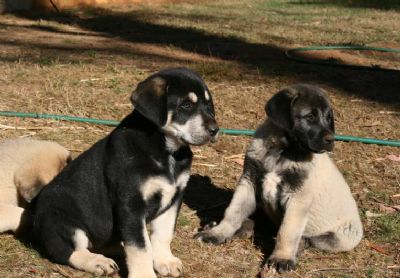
87 62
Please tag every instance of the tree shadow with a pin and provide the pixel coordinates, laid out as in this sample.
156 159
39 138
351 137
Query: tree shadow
210 202
266 59
374 4
14 5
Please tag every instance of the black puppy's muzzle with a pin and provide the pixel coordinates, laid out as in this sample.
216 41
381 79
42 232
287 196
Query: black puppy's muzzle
211 127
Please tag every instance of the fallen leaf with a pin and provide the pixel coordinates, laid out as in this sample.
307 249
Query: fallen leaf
239 161
386 209
379 159
396 207
378 248
393 157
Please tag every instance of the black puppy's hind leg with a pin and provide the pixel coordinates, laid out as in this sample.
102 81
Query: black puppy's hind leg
81 258
77 254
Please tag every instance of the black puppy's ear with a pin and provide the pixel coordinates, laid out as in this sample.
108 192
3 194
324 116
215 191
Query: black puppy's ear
279 108
150 99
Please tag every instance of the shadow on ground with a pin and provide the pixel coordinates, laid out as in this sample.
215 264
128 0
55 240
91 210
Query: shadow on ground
374 4
267 59
210 202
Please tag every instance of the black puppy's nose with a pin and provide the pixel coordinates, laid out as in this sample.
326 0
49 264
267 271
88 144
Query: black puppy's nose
329 138
213 129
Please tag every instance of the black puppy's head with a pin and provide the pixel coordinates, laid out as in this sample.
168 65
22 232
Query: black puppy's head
178 101
305 113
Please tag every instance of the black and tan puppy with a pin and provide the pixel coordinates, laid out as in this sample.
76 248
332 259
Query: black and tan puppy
133 177
287 170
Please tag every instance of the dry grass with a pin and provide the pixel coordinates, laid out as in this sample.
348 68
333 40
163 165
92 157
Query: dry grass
86 63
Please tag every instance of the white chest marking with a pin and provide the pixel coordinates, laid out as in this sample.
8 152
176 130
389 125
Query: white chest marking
163 186
270 188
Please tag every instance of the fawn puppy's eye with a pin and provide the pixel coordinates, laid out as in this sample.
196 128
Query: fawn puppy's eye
310 117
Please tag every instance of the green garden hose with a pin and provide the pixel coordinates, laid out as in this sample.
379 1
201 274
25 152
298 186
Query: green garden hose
222 130
291 55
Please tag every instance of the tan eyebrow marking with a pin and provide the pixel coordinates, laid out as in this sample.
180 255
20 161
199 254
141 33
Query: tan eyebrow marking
206 95
193 97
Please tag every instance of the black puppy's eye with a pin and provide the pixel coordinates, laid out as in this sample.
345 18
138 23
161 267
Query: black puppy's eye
187 105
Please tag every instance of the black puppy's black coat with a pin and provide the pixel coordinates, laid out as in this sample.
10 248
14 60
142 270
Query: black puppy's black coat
100 192
99 189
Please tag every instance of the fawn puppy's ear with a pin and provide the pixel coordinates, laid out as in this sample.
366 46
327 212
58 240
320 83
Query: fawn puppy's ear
279 108
150 99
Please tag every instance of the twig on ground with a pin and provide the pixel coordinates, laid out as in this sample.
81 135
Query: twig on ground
389 112
199 156
204 164
298 275
326 257
330 269
62 272
75 150
395 266
240 155
7 127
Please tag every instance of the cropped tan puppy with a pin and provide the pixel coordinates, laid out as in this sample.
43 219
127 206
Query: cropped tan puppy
26 165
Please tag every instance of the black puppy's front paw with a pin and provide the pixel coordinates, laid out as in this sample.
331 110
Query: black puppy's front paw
281 265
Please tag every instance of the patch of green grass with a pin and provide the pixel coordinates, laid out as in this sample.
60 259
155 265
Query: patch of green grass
91 53
183 221
113 83
48 61
370 272
68 41
379 195
388 228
